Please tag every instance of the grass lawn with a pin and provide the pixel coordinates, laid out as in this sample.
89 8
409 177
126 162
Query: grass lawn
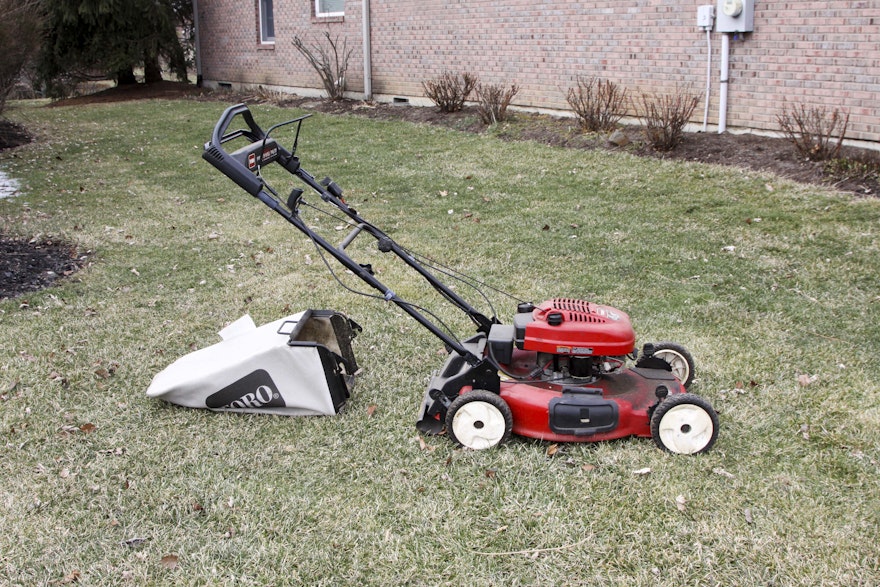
774 287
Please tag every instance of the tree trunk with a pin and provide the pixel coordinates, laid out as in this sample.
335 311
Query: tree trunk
177 64
152 69
125 77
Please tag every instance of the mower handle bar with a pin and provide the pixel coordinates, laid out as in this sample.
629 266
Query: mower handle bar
217 156
252 183
253 131
220 158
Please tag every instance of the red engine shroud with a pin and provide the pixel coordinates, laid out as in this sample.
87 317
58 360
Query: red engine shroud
564 326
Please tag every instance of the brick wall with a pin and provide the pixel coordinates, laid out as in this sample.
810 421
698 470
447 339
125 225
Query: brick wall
823 54
231 51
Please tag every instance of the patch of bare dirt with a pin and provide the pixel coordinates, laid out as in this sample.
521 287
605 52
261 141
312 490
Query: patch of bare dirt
27 266
13 135
166 90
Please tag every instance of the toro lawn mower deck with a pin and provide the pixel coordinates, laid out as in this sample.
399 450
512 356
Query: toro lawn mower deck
565 370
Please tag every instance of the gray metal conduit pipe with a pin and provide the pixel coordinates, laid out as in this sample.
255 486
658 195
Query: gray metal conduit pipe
368 65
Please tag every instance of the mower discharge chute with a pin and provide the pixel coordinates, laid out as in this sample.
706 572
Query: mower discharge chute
565 370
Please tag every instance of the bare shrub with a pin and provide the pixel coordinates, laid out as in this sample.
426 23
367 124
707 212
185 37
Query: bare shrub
493 101
20 24
598 104
450 90
664 116
330 59
812 131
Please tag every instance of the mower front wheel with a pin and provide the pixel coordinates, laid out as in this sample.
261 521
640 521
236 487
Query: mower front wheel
680 361
479 419
684 424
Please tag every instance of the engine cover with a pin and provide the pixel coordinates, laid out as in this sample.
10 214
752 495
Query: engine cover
563 326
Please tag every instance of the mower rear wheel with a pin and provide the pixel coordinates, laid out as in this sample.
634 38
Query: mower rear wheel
479 419
684 424
680 360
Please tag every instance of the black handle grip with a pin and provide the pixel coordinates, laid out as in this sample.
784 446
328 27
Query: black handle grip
217 156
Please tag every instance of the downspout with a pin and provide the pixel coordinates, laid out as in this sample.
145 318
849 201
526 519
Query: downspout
368 65
197 46
708 78
725 66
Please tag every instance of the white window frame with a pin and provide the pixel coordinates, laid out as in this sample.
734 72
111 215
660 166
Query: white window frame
266 40
320 14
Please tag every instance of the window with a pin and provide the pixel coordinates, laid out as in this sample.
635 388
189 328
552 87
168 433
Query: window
267 22
329 7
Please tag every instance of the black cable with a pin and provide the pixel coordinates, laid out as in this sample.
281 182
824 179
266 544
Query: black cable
377 297
462 277
459 276
450 273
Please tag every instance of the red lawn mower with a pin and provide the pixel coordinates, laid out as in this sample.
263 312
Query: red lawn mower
565 370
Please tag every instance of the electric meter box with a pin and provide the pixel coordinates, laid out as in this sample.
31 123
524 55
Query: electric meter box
735 16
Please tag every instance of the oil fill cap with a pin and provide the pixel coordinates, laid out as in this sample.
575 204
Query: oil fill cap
554 318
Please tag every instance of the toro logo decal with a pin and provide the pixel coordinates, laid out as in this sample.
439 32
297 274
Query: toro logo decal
256 390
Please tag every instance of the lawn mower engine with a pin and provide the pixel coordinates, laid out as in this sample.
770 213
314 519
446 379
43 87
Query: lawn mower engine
569 371
570 339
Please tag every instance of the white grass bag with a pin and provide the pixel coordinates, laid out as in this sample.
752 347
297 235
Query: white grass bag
301 365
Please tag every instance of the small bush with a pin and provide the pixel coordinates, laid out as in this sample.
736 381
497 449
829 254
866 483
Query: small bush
664 116
598 104
812 132
493 102
329 59
450 90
